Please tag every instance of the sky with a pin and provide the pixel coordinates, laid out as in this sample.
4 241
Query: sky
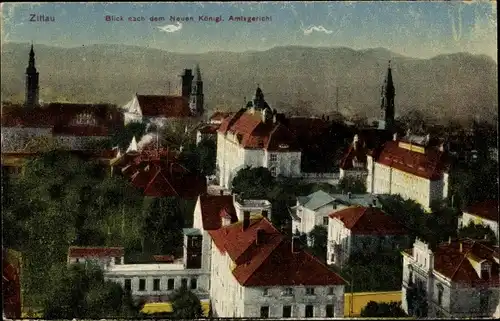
420 29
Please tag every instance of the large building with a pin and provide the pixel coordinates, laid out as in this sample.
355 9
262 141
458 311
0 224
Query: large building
359 231
255 136
459 279
161 109
413 170
257 272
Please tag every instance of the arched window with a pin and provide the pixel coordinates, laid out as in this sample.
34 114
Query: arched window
410 274
440 294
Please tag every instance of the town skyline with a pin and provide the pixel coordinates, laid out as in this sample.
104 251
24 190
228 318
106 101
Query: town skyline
420 30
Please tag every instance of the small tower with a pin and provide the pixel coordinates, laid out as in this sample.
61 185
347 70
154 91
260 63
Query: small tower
31 99
187 83
196 103
387 101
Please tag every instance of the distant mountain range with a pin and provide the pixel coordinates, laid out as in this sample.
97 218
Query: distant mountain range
294 79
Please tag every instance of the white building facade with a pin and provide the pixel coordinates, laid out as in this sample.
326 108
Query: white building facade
483 213
460 279
412 171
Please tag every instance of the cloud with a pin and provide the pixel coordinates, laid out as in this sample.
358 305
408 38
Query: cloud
171 28
311 29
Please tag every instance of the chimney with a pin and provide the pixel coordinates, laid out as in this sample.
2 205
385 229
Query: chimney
295 244
246 220
259 239
395 137
221 192
461 247
349 195
449 240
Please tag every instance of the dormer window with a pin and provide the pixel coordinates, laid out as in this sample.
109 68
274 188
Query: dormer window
265 292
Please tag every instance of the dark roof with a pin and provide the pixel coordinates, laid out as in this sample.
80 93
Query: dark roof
256 264
164 106
368 221
487 209
355 152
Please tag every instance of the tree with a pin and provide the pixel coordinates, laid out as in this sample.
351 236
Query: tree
186 304
477 232
353 185
207 153
162 226
416 300
253 182
382 309
319 238
79 291
123 136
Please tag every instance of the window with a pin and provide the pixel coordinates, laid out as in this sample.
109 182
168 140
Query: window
288 292
142 284
331 291
77 260
287 311
264 312
128 285
440 294
329 310
273 158
410 277
485 271
309 311
194 284
309 291
265 292
118 260
156 285
184 283
325 220
274 171
170 284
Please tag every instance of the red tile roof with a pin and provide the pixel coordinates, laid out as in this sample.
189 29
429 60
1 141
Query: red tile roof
453 263
159 177
486 209
211 206
164 106
430 165
253 133
368 221
77 251
164 258
256 264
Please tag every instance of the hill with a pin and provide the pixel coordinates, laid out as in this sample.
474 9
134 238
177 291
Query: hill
294 79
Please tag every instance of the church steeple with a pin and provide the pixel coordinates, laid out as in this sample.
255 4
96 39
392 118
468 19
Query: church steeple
196 103
31 98
387 101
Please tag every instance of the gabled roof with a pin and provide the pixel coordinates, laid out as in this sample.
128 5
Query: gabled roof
487 209
211 208
253 133
453 263
77 251
430 165
74 130
159 186
355 152
164 106
316 200
256 264
368 221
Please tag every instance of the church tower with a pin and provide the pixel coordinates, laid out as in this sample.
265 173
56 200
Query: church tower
187 83
196 103
387 101
31 99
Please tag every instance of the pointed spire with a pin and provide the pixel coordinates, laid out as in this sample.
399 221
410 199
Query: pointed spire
388 80
31 64
198 73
